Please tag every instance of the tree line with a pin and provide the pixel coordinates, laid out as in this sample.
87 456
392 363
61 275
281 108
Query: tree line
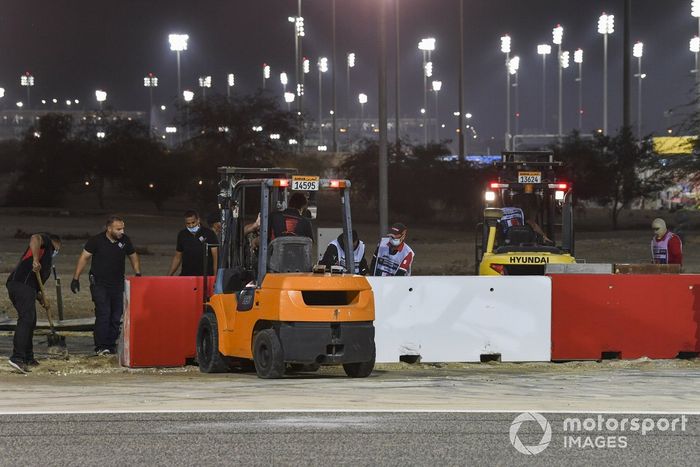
58 156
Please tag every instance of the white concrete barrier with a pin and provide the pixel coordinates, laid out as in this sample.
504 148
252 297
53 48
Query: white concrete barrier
461 318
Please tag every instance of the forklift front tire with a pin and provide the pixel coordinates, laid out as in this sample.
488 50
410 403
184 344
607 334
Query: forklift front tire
268 355
208 356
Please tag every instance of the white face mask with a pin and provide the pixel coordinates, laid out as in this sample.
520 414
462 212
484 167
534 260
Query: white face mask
395 241
55 253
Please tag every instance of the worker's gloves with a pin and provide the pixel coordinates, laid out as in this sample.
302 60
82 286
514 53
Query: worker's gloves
75 286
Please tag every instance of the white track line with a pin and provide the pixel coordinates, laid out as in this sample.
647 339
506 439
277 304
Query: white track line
272 411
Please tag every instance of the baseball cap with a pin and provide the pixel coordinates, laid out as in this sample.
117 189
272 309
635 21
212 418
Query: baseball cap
397 229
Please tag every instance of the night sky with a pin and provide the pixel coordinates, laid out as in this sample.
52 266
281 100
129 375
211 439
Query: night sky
73 47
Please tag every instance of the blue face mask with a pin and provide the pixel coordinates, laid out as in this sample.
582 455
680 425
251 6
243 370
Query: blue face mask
193 229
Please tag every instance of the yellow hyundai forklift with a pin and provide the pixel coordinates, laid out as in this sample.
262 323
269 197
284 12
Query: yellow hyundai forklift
527 217
274 307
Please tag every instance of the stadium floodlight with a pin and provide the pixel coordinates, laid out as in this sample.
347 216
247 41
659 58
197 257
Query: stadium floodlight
695 8
362 98
514 65
150 81
428 69
306 65
606 24
178 42
505 44
298 22
578 56
187 95
557 34
26 80
437 85
284 79
351 60
695 44
231 80
564 59
322 64
100 95
427 44
544 49
2 92
205 81
289 98
638 49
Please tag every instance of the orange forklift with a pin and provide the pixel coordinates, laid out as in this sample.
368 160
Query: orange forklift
273 306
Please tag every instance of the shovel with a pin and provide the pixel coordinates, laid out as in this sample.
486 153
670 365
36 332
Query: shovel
59 294
57 343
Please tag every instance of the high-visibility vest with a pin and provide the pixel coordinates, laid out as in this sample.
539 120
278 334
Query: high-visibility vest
358 254
659 248
511 217
388 264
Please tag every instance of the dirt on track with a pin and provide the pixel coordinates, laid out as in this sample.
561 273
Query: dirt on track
440 250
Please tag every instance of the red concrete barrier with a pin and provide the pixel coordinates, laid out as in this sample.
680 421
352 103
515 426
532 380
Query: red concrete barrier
160 320
657 316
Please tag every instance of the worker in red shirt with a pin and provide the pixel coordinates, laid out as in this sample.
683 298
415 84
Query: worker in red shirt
666 247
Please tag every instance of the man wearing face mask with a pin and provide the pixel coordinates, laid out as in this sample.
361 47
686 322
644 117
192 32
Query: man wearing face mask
24 292
666 247
189 249
108 251
393 256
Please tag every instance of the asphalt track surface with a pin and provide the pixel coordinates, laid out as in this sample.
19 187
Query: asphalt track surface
89 411
321 438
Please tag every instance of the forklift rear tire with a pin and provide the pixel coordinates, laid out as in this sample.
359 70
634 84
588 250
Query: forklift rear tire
208 355
361 369
268 355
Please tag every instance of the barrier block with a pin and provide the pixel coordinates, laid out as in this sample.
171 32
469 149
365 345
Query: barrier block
160 320
461 318
632 316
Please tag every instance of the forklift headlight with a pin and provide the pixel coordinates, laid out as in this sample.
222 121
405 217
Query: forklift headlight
490 196
559 195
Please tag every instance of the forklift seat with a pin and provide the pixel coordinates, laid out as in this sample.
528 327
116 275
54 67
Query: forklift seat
290 254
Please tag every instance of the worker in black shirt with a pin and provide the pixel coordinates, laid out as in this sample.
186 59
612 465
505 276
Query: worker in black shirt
108 251
24 291
290 221
189 249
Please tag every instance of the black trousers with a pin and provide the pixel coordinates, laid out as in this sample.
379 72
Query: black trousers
109 306
23 298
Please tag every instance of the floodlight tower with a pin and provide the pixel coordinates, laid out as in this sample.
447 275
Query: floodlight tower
638 52
578 59
322 65
505 48
544 50
27 80
606 26
178 43
426 45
